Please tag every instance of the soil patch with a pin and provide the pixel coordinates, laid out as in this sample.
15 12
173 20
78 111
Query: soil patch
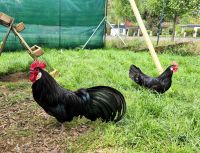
25 127
15 77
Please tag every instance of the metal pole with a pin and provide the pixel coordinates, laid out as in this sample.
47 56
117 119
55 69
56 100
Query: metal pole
146 36
106 14
60 24
116 32
94 33
160 23
159 30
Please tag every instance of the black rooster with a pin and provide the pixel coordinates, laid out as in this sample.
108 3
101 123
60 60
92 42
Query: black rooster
159 84
96 102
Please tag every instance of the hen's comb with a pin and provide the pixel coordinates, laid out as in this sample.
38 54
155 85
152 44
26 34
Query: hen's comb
38 64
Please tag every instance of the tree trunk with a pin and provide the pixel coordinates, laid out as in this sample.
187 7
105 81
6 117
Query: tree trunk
174 27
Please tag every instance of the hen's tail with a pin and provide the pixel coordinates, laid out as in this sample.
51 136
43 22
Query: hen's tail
134 72
103 102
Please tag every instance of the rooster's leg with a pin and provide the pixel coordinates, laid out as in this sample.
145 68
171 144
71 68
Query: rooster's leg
62 128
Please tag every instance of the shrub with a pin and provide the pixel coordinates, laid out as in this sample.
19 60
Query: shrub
154 31
139 45
178 30
149 32
131 44
198 33
189 32
108 30
130 31
184 49
170 31
165 32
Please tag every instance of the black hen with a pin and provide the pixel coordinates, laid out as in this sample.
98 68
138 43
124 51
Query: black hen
96 102
159 84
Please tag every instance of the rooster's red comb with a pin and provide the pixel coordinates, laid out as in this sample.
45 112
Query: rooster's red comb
38 64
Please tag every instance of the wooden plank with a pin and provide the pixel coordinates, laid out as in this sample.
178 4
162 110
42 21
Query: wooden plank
6 37
20 27
23 42
5 19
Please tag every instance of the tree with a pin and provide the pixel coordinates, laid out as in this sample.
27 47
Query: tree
153 10
172 9
111 13
123 10
178 8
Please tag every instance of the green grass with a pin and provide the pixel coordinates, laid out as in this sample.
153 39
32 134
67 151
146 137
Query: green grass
153 123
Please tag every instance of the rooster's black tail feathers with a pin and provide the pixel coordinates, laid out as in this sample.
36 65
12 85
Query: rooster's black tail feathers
103 102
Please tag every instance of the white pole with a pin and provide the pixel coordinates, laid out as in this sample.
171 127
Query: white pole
146 36
117 33
93 33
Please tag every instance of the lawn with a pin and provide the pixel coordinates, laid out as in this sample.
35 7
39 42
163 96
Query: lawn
153 122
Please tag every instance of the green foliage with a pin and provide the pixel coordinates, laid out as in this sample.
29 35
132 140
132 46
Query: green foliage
133 45
178 30
181 7
170 31
154 31
108 30
184 49
189 32
198 33
149 32
123 10
154 7
172 8
190 18
130 32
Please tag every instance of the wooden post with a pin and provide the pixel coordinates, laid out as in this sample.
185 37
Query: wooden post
6 37
146 36
23 42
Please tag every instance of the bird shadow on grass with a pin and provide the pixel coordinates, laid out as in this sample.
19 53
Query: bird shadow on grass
143 89
77 122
